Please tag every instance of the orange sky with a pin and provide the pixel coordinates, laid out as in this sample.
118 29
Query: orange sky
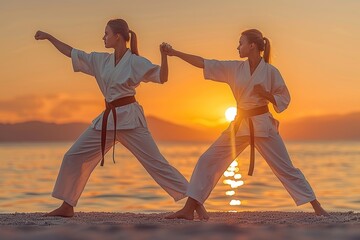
315 47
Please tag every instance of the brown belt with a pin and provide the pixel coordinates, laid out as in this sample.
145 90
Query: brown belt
111 106
241 114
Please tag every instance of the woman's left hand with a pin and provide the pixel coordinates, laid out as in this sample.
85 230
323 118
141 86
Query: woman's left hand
260 90
166 48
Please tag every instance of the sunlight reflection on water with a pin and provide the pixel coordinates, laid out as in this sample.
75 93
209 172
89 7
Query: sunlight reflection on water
232 179
28 172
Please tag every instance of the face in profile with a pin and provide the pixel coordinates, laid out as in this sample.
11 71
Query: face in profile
110 39
244 47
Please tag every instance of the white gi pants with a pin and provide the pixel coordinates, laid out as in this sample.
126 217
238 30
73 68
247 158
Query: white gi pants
85 154
220 155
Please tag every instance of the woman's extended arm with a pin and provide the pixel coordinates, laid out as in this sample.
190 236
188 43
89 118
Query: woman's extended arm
164 70
62 47
192 59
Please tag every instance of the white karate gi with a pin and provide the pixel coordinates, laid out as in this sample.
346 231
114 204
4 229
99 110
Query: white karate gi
116 82
268 142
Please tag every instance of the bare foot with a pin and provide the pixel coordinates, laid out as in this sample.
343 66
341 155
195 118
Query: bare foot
182 214
202 213
65 210
319 211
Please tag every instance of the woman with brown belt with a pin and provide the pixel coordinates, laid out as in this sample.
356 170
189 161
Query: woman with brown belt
254 83
117 74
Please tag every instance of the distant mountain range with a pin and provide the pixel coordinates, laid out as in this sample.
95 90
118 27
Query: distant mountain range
44 131
330 127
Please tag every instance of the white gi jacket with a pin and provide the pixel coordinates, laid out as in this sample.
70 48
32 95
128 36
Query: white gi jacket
116 82
237 75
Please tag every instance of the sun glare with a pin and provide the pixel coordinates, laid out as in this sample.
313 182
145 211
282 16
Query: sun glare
230 113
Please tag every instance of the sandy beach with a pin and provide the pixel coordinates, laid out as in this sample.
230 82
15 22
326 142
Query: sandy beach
222 225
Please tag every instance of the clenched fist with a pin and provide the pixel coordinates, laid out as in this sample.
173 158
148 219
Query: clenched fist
39 35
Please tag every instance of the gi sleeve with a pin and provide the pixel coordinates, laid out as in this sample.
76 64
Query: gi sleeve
279 91
144 71
86 62
220 71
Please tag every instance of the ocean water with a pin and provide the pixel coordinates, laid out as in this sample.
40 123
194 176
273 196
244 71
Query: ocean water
28 172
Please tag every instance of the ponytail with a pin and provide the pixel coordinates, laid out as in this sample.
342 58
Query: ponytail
133 43
120 26
266 54
262 43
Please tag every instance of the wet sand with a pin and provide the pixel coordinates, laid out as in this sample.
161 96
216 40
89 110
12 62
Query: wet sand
222 225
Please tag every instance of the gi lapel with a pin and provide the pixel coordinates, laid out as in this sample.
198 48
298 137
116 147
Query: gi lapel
250 80
114 73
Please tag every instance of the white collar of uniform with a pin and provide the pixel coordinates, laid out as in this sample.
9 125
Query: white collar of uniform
126 56
258 68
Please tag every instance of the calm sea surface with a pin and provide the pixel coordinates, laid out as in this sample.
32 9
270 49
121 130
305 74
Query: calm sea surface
28 172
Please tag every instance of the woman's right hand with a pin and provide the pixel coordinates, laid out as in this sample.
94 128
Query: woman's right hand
62 47
39 35
167 49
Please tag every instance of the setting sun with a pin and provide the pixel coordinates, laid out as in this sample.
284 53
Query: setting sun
230 113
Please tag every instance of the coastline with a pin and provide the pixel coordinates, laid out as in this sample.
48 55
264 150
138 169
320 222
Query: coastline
247 225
